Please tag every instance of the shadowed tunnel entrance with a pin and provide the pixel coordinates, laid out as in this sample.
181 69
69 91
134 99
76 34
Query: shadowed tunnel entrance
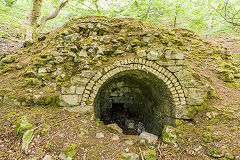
137 101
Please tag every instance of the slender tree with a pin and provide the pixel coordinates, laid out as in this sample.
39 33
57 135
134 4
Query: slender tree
34 25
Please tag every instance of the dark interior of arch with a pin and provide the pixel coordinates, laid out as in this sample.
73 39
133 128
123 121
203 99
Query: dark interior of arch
137 101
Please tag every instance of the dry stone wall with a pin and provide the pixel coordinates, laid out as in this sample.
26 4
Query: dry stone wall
179 81
83 55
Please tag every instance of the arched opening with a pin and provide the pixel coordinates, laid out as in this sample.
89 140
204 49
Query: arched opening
136 101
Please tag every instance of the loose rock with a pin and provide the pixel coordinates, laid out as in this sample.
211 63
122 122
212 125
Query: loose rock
47 157
100 135
151 138
115 127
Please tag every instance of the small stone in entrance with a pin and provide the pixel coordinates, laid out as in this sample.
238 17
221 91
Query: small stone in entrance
151 138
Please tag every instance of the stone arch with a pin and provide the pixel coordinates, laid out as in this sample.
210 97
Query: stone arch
162 73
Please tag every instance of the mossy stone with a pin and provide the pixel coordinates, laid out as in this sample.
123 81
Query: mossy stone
237 76
22 126
27 137
9 59
225 75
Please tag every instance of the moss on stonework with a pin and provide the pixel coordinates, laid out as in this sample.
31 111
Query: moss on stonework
50 62
6 69
225 75
237 76
33 82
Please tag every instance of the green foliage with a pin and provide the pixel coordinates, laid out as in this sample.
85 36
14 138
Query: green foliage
194 14
10 3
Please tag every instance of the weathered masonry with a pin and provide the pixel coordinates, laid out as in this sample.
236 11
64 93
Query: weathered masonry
158 92
118 69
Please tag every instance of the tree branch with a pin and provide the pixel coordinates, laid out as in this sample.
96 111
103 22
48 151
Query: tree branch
197 3
225 8
44 19
226 18
149 7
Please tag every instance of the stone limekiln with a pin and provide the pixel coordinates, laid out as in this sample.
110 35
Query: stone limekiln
99 63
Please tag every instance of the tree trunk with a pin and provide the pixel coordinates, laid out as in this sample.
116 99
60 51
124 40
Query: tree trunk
175 21
33 27
32 18
149 8
95 4
176 13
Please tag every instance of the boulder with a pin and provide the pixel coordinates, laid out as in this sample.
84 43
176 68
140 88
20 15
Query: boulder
184 75
72 37
91 26
87 74
42 70
177 55
83 53
105 39
118 52
79 80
